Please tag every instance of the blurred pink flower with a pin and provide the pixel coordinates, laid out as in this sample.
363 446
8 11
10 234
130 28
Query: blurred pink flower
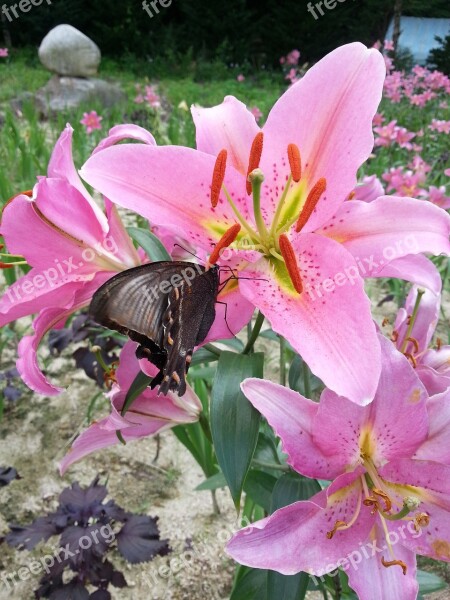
437 196
256 112
151 97
293 57
378 120
91 121
388 45
440 126
4 52
240 78
447 172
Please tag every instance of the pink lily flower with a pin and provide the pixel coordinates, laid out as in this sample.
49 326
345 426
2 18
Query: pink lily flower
91 121
389 463
370 188
298 237
71 245
414 329
4 53
150 414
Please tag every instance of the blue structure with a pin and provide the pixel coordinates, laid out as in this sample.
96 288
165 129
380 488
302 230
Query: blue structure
418 35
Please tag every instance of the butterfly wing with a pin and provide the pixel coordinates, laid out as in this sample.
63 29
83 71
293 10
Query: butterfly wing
134 302
168 316
188 319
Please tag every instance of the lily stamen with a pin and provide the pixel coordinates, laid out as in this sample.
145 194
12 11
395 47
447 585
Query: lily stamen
295 162
290 259
311 203
226 240
218 177
255 157
414 342
392 563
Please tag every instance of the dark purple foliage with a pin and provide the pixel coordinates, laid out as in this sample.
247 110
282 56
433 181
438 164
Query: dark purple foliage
10 392
7 474
139 541
88 526
82 328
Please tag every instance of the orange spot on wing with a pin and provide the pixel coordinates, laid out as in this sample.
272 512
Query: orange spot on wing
287 252
218 177
226 240
311 203
255 157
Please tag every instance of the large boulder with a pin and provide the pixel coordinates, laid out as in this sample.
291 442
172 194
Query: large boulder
66 93
67 51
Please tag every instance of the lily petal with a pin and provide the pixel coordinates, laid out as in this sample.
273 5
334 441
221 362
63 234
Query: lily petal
130 176
61 166
293 539
230 126
51 318
431 481
125 132
329 109
319 324
292 416
389 228
372 581
415 268
340 427
437 445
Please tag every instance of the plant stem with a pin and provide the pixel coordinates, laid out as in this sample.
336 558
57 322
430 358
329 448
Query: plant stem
254 334
282 360
412 320
211 348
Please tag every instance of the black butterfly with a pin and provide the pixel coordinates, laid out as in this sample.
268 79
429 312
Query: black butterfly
167 307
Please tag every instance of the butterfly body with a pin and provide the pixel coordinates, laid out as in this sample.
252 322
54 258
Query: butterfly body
168 307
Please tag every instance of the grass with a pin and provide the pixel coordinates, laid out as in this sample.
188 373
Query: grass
26 144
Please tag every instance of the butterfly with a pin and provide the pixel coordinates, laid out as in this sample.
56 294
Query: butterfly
167 307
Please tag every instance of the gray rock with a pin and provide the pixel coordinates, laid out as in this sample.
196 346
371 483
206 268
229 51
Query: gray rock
67 51
66 93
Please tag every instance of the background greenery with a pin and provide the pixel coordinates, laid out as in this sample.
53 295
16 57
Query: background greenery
253 32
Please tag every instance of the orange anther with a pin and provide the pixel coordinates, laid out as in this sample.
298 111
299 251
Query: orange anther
255 157
392 563
338 525
288 254
218 177
311 202
226 240
295 162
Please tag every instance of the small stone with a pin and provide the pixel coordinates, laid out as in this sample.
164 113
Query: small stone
67 51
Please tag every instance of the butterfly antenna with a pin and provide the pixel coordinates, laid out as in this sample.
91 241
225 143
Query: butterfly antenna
226 309
188 251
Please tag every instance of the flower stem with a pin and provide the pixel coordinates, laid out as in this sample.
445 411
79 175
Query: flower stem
282 360
254 334
211 348
412 319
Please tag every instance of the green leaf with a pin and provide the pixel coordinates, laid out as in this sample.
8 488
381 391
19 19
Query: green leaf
288 489
139 385
151 245
292 488
251 586
429 583
259 486
212 483
234 421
